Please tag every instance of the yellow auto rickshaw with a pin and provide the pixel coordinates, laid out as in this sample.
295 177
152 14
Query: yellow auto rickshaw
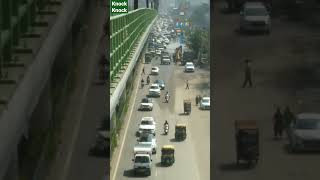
167 156
181 132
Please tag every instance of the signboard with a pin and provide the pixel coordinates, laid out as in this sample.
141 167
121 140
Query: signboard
119 7
181 13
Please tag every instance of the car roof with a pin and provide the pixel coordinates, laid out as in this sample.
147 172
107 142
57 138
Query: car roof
147 118
154 85
208 98
254 5
308 116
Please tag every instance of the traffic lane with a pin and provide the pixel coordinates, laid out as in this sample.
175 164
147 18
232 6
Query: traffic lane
199 120
83 166
228 48
126 165
185 166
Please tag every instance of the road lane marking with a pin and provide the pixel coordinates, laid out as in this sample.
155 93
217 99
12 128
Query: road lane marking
125 133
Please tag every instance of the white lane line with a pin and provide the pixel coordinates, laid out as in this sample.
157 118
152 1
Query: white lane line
125 133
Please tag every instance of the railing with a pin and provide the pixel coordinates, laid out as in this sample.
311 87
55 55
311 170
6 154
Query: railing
16 19
126 30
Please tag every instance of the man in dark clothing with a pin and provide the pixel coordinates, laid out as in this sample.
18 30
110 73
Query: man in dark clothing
143 70
187 84
247 74
288 117
197 100
277 123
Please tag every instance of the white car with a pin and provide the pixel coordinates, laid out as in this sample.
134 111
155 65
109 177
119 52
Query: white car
304 133
148 139
146 104
155 70
205 103
147 125
189 67
165 60
155 90
158 52
255 17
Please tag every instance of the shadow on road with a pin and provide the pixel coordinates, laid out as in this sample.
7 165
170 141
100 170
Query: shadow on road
235 167
183 114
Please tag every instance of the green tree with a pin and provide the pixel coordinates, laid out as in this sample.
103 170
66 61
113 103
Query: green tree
195 40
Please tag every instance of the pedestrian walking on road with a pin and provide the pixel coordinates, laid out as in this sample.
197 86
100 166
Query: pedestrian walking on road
247 78
187 84
278 124
289 118
143 70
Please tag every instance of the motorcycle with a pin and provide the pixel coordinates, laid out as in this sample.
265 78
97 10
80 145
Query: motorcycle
148 81
166 129
167 98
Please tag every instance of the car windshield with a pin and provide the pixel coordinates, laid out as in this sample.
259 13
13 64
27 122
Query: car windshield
145 100
154 68
146 122
146 138
307 124
141 159
206 100
154 87
256 12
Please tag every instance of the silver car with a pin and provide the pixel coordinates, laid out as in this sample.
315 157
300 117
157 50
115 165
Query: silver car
255 17
304 134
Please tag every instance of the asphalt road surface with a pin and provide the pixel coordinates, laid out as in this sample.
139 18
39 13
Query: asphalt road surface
283 65
193 154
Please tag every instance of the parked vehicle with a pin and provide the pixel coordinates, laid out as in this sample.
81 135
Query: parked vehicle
304 133
247 141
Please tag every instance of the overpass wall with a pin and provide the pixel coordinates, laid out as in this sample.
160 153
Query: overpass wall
14 120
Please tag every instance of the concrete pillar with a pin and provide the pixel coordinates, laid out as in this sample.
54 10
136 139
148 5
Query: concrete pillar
13 168
135 4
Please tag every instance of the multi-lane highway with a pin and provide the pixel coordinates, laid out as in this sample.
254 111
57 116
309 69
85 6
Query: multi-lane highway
193 154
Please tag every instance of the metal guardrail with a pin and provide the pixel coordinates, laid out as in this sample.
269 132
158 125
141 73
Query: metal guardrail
126 30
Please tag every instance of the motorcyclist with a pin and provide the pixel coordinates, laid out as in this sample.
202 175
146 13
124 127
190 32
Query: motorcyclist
142 83
148 80
166 126
167 96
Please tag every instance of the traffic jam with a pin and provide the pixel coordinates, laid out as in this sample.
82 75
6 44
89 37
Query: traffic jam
163 58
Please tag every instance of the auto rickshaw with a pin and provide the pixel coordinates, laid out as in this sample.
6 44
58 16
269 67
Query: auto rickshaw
187 106
181 132
167 155
247 141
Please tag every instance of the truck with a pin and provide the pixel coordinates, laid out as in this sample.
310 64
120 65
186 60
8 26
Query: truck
142 159
188 56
